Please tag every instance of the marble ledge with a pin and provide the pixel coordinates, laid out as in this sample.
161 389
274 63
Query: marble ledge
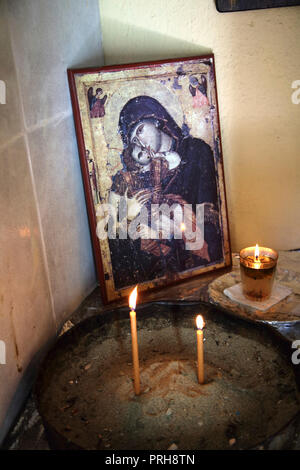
194 289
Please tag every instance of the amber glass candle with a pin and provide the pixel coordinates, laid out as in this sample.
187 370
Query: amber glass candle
258 267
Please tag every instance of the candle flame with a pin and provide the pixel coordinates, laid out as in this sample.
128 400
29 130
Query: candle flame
132 298
200 322
182 227
256 253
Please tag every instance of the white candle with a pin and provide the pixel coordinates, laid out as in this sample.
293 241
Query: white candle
200 355
135 350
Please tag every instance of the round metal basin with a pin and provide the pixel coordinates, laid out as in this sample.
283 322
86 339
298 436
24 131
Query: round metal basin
85 391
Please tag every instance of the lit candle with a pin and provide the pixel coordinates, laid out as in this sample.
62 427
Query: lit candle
135 351
200 356
258 267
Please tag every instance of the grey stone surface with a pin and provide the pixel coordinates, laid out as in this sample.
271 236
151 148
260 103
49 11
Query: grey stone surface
49 37
10 120
286 310
26 320
56 169
29 432
23 278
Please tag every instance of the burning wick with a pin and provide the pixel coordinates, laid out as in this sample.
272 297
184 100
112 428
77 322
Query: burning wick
182 227
135 350
256 253
200 325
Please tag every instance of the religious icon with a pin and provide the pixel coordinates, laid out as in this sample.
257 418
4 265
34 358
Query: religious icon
155 170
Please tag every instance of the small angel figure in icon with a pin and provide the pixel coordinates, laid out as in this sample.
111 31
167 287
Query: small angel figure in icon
96 103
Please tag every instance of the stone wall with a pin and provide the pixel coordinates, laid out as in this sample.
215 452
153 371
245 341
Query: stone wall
46 261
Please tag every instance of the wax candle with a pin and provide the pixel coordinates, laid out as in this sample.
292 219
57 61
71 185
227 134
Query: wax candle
200 355
134 342
258 267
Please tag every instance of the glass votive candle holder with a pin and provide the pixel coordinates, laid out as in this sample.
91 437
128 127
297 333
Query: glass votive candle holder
258 272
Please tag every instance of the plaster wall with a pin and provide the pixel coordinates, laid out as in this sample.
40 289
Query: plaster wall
257 55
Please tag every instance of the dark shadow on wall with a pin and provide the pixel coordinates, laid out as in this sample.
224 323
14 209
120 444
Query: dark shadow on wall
147 45
23 390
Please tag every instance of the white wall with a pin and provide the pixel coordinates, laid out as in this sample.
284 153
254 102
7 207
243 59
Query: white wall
257 56
46 261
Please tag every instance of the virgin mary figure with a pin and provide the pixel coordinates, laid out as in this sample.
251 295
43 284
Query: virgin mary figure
162 163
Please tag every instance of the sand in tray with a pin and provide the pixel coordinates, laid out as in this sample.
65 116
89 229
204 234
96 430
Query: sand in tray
244 398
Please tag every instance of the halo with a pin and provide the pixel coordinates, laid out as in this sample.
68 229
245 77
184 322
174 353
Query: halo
126 92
